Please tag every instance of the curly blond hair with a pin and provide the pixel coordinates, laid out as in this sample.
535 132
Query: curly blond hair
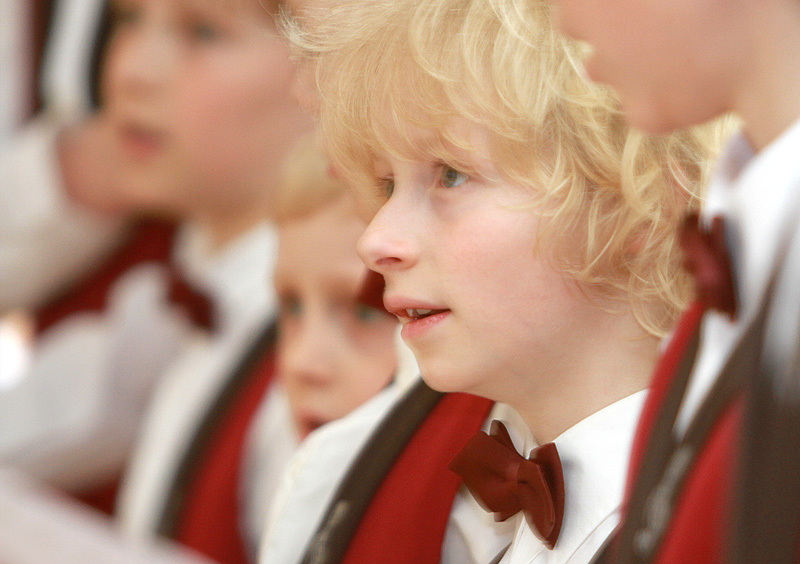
611 196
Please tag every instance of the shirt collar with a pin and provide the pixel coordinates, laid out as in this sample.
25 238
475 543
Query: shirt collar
594 455
238 277
759 194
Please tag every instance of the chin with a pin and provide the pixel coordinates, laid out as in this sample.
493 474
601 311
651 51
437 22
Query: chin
438 380
446 379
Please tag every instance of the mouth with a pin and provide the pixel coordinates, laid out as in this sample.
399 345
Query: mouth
141 142
415 314
410 310
416 318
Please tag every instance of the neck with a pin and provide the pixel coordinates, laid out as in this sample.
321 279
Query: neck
613 366
769 101
224 228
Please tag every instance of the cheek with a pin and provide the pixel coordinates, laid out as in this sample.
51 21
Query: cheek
372 358
494 252
218 119
291 351
234 113
115 65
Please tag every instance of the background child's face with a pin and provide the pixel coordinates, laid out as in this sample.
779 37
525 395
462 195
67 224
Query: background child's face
333 352
481 312
199 95
669 60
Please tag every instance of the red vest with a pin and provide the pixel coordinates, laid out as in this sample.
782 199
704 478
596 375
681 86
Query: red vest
407 517
209 516
696 531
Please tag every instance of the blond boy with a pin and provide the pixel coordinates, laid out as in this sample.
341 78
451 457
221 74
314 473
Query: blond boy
525 235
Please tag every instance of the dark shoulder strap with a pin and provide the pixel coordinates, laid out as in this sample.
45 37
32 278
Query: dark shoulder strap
767 504
767 500
366 474
656 493
41 15
603 555
239 377
101 39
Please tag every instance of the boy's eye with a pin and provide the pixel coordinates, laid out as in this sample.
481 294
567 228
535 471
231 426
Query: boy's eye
388 186
204 31
366 313
291 307
125 15
452 178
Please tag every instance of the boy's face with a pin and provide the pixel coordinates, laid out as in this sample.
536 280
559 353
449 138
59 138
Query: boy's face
480 310
672 62
199 95
334 353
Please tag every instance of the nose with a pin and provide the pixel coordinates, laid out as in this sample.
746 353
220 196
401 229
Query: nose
388 244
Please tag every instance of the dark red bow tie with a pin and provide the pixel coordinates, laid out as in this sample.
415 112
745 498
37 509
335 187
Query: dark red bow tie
706 258
505 482
195 304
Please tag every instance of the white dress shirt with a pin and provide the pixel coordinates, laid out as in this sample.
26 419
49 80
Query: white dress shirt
594 455
70 420
65 76
16 64
759 195
237 280
271 442
46 241
41 526
472 535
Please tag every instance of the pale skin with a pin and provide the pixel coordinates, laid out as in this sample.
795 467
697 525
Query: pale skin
481 311
681 62
198 96
89 162
334 353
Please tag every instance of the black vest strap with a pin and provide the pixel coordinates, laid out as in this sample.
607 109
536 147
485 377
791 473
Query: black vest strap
767 500
660 483
657 489
367 472
177 492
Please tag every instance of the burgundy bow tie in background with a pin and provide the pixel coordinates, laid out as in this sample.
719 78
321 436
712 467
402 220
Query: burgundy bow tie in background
371 291
197 305
706 258
505 482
